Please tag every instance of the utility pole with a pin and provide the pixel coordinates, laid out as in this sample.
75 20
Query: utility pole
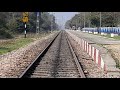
89 19
52 17
100 19
84 19
80 21
76 24
114 19
51 24
62 23
37 23
55 24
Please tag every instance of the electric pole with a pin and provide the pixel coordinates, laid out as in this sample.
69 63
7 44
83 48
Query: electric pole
52 18
84 19
89 19
100 19
37 23
51 24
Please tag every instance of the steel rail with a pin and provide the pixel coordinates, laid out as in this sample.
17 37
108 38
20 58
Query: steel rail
37 59
80 70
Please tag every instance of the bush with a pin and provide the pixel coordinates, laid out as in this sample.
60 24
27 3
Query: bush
4 34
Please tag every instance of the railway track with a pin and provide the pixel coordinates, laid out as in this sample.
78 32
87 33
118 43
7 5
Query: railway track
57 60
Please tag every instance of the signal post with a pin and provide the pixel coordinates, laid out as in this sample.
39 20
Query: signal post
25 20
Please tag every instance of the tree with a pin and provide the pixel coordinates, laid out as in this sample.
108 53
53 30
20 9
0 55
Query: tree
92 19
11 22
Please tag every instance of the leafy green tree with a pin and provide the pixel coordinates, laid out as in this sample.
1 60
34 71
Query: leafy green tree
92 19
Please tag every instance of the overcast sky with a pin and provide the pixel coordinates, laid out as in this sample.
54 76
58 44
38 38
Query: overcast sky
62 17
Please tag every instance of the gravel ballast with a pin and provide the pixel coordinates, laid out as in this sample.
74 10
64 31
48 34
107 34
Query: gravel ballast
14 63
89 66
57 62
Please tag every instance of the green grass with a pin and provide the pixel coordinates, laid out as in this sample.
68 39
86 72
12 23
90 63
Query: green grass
19 41
117 37
16 44
116 60
109 36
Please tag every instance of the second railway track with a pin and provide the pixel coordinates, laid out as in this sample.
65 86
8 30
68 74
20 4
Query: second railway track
57 61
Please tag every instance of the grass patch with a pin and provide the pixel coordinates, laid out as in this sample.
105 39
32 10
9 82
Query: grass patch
109 36
116 61
16 44
20 41
117 37
114 57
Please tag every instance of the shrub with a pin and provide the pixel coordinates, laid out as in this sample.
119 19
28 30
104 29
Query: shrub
4 34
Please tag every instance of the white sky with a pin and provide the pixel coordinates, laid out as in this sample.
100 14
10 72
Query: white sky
62 17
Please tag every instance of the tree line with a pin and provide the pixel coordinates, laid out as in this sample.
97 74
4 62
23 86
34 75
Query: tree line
11 23
93 19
